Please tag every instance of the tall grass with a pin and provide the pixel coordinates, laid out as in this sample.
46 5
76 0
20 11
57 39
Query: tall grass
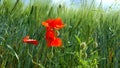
91 37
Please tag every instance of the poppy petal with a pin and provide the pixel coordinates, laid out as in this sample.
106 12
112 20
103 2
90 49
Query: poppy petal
30 41
54 23
50 34
45 24
50 21
57 42
26 37
58 24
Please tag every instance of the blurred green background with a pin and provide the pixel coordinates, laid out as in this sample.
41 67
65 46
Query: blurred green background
91 37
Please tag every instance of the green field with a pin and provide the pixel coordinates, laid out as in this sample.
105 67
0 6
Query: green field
91 36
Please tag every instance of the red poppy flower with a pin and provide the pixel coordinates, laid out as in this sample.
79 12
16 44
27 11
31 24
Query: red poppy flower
30 41
54 23
51 39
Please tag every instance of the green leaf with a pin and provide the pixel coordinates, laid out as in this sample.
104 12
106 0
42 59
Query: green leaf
78 39
13 52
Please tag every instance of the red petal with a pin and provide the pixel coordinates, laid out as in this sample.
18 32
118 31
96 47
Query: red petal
57 24
26 37
45 24
50 21
50 34
54 23
57 42
30 41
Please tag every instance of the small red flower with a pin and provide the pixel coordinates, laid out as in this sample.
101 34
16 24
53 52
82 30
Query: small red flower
51 39
54 23
30 41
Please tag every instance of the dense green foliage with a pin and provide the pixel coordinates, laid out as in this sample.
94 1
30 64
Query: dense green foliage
91 37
